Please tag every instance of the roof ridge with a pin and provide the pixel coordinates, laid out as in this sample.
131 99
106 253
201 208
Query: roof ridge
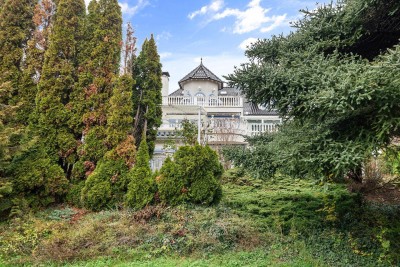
201 72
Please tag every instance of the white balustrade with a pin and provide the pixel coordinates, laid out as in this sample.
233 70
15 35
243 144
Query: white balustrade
220 101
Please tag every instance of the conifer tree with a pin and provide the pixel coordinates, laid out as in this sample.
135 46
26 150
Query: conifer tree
36 47
15 26
108 183
100 66
58 83
32 175
141 184
147 95
120 121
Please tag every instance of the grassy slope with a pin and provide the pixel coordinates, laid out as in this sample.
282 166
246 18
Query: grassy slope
282 223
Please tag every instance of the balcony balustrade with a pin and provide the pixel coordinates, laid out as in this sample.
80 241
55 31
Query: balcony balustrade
220 101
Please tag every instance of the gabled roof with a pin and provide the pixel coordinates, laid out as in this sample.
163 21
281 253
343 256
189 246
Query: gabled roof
201 73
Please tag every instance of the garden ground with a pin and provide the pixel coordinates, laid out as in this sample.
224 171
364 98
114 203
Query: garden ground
282 222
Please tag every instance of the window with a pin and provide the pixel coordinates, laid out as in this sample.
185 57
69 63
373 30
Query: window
200 99
213 100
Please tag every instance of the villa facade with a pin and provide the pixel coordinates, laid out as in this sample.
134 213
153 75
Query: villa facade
225 116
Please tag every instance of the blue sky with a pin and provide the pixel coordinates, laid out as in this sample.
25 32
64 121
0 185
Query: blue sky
215 30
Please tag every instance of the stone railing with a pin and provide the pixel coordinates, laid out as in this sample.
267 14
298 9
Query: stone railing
220 101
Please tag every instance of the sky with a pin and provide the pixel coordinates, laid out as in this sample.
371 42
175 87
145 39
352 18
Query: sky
217 31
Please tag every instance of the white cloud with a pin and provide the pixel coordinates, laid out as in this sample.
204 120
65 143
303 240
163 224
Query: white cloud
246 43
164 55
213 7
132 10
163 36
277 21
254 17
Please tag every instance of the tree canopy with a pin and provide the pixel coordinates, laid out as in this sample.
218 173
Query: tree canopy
334 81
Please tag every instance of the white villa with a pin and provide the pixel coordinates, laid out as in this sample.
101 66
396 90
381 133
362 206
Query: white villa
224 114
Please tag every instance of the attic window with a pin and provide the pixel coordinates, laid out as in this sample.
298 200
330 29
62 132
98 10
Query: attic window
222 93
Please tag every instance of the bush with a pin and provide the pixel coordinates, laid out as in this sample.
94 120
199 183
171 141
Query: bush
194 176
171 185
106 186
37 177
74 193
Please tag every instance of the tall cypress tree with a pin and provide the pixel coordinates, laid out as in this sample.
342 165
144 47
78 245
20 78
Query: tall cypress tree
58 83
147 94
28 169
15 27
120 122
36 47
100 66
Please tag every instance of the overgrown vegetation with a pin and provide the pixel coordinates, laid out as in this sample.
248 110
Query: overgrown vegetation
281 222
69 121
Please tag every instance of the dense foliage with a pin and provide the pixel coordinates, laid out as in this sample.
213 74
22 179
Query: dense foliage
335 81
141 187
289 222
67 128
147 93
193 176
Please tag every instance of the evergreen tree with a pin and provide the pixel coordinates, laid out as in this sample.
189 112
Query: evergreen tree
106 186
334 80
58 82
100 66
36 47
108 183
15 26
32 175
120 120
141 184
147 94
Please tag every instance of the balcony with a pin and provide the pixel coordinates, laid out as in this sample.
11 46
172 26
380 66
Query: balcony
220 101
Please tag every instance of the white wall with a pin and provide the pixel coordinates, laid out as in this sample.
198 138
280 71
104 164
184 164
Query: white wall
205 87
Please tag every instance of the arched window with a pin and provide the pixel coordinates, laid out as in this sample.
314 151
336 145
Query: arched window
200 99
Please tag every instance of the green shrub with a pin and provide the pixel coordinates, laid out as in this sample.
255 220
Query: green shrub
106 185
141 186
37 177
78 170
170 184
74 193
194 176
5 198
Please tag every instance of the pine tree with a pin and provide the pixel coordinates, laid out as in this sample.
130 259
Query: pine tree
147 95
141 187
58 82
